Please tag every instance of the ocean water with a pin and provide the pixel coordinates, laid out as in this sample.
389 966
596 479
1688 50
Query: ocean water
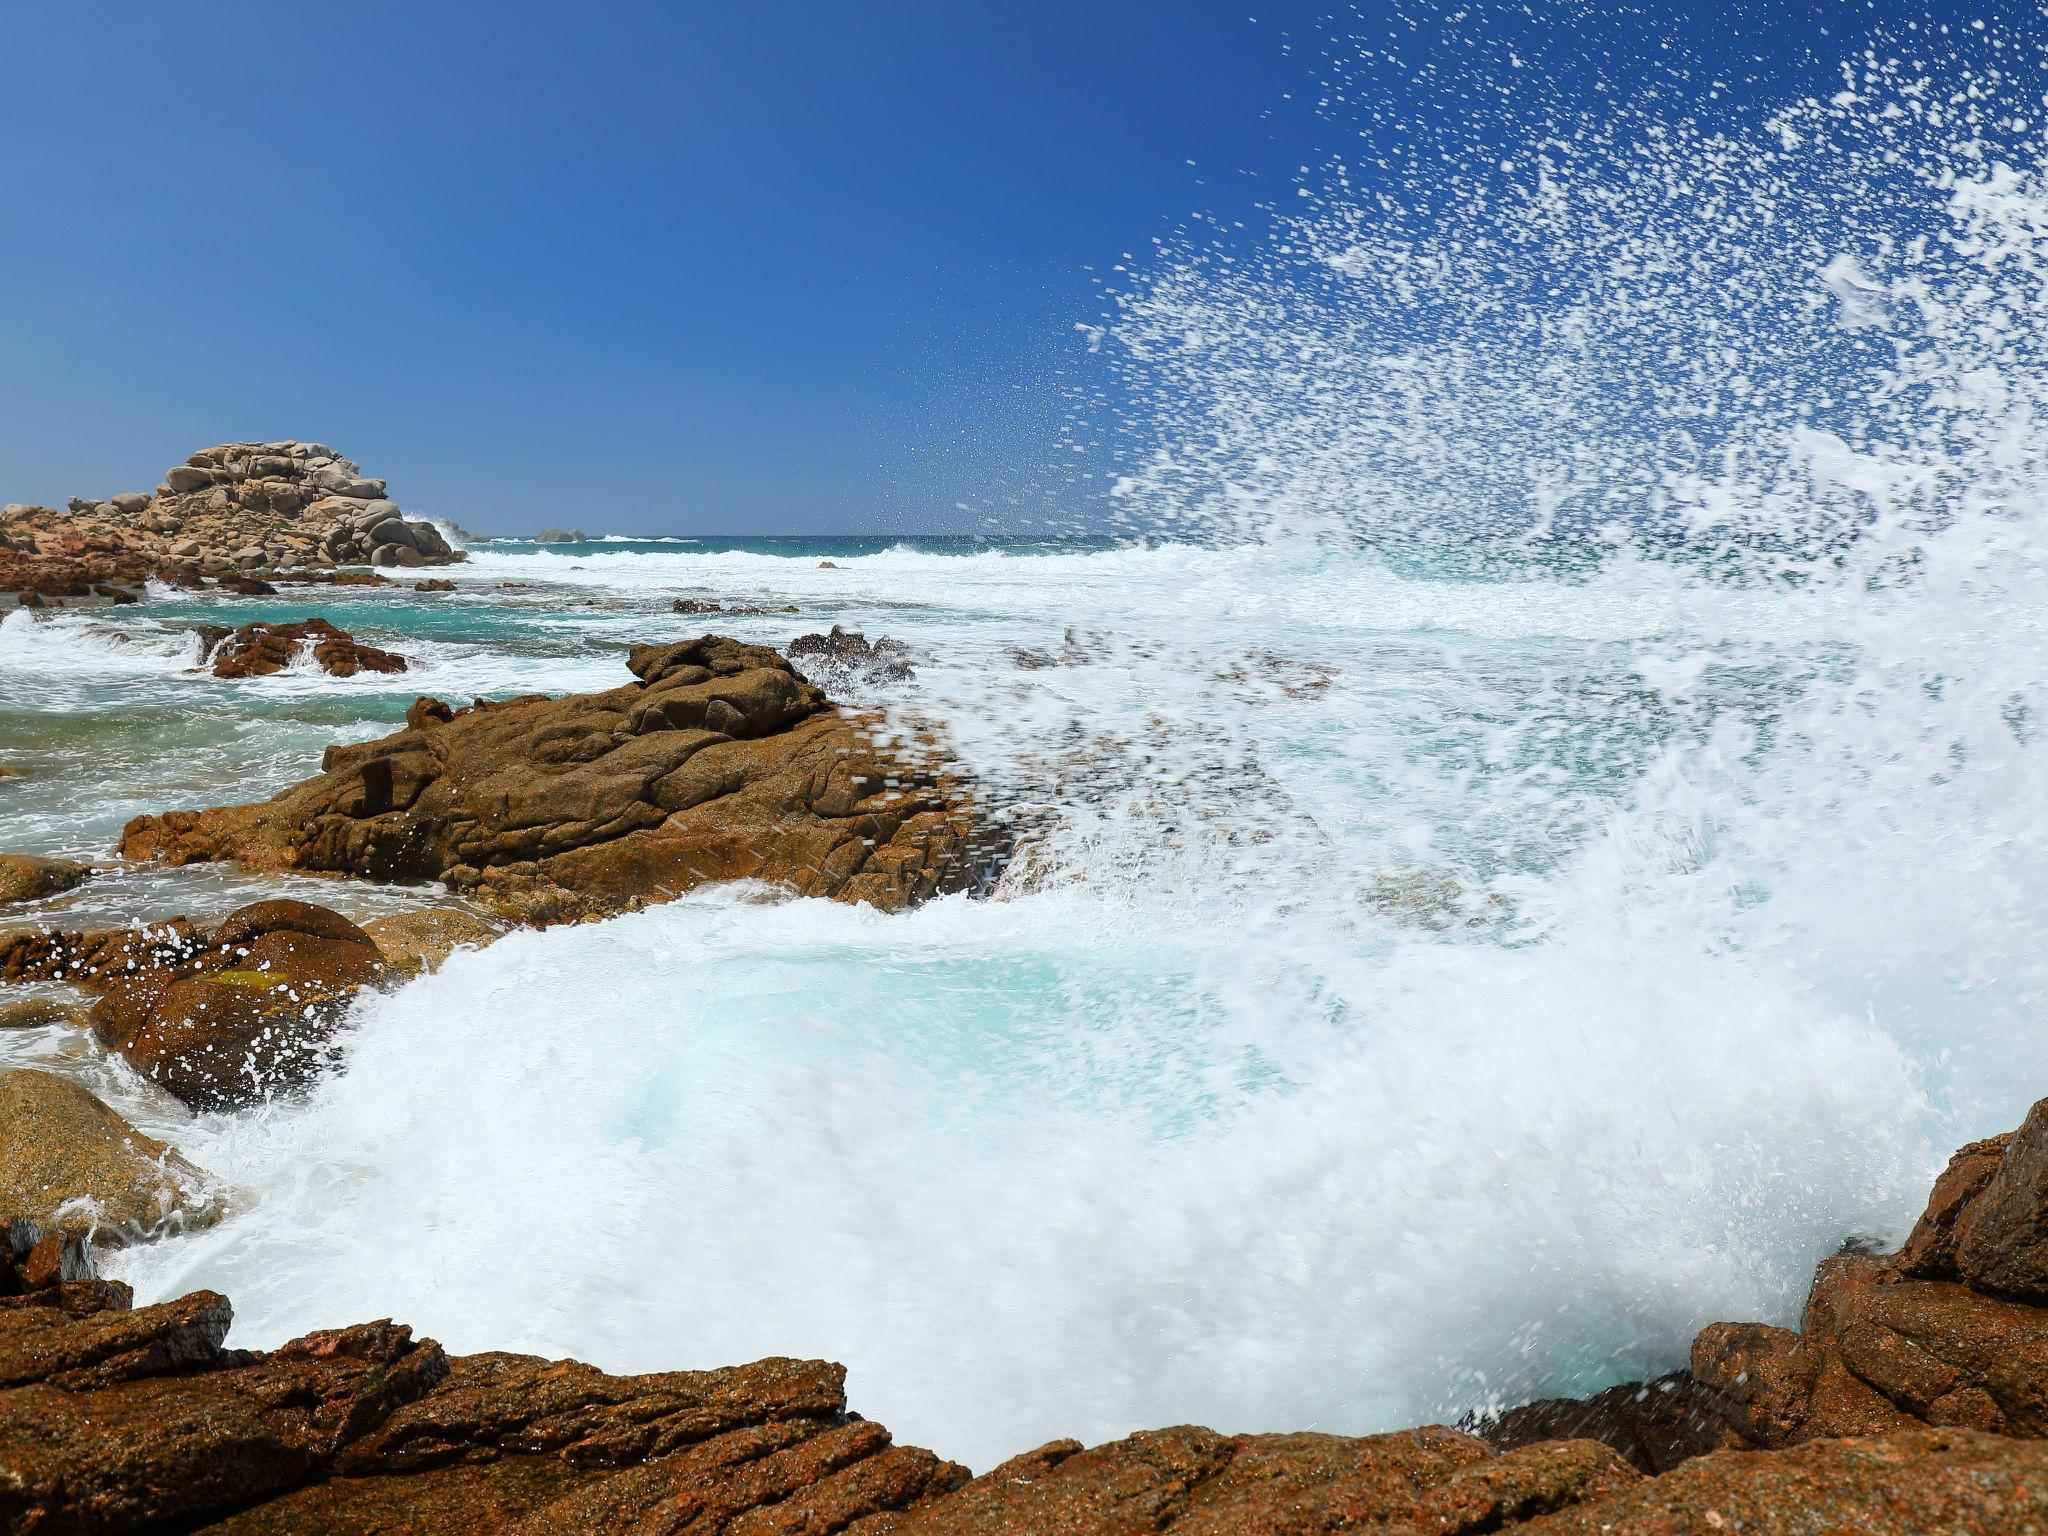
1534 838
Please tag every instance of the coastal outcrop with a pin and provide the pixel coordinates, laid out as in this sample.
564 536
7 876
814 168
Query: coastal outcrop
235 507
719 763
260 649
118 1418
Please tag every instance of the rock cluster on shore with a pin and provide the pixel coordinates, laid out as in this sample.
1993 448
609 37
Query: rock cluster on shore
233 508
719 763
115 1418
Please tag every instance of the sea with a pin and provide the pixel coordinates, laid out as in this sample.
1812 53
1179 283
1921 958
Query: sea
1530 821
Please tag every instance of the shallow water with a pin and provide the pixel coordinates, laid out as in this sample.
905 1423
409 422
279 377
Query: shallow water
1454 957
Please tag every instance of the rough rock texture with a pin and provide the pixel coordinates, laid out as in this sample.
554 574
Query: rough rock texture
718 764
79 565
219 1019
559 536
26 877
72 1164
257 650
413 942
238 506
116 1419
1919 1483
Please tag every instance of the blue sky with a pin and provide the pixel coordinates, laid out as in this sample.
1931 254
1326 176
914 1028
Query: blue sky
785 265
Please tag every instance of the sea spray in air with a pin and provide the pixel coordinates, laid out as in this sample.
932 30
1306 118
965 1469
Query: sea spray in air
1544 860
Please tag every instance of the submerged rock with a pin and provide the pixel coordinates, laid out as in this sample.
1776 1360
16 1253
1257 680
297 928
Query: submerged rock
258 650
73 1165
29 877
720 763
40 1013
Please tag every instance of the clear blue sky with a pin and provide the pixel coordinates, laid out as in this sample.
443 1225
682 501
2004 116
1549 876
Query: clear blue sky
780 265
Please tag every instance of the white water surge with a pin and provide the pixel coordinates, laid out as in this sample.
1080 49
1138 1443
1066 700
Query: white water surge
1559 849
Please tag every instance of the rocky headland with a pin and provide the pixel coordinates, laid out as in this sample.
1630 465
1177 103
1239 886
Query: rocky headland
1911 1403
231 509
719 762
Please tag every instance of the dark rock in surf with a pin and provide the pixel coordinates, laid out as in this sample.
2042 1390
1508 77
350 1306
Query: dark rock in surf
845 657
258 650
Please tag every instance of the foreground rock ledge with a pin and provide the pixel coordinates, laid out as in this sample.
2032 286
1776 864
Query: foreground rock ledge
720 763
115 1418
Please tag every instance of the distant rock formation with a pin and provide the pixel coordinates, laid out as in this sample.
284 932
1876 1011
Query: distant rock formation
235 507
559 536
720 763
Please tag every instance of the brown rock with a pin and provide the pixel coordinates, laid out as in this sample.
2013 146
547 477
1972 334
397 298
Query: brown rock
26 877
1654 1424
1930 1251
218 1019
40 1013
1955 1482
73 1165
416 942
434 584
719 764
2001 1235
257 650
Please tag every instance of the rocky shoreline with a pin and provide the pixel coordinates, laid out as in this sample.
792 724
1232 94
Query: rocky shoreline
1912 1398
1915 1400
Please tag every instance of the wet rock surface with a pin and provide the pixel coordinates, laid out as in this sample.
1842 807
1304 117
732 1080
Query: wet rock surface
846 656
719 763
219 1019
72 1164
28 877
260 649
